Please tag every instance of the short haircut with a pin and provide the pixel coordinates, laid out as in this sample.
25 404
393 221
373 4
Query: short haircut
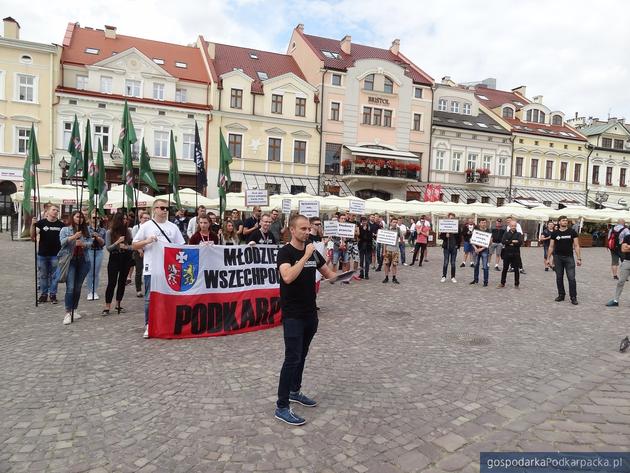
234 210
563 217
159 200
293 220
483 219
203 217
257 209
451 213
265 215
277 210
314 219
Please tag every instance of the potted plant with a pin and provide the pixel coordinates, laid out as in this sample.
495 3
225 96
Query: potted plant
483 174
412 170
346 164
470 174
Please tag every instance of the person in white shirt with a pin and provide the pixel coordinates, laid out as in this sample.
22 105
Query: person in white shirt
192 223
402 229
156 229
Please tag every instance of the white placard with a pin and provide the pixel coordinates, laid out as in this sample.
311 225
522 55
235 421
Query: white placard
387 237
448 225
346 230
309 208
480 238
256 197
356 207
330 227
286 206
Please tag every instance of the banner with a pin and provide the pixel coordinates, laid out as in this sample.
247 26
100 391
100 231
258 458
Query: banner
257 198
207 291
480 238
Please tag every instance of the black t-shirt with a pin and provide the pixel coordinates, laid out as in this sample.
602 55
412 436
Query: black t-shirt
314 238
297 299
497 235
546 233
563 242
49 244
257 237
626 240
467 231
374 228
249 223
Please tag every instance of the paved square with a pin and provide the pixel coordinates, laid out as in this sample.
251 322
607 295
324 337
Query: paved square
416 377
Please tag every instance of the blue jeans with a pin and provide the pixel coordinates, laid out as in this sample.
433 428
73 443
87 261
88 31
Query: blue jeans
90 276
449 254
403 259
48 274
147 295
79 267
483 257
365 257
562 264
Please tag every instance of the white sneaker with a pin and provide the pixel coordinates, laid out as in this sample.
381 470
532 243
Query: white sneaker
96 296
146 332
67 320
90 297
453 280
443 279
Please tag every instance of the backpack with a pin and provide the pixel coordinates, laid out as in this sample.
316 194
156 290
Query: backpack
613 241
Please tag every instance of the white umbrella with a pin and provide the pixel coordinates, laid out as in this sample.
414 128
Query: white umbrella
59 194
115 198
189 198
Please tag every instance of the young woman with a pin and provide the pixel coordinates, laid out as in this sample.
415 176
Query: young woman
204 235
422 238
76 240
96 253
118 243
229 234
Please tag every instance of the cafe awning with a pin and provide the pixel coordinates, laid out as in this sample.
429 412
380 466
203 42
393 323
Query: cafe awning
382 153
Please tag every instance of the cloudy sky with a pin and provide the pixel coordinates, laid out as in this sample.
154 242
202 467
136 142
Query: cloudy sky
574 53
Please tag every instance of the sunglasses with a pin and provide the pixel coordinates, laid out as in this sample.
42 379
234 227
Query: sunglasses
317 224
161 208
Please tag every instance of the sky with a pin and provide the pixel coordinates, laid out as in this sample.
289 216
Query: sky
576 54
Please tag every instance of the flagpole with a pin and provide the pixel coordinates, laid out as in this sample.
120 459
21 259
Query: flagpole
96 227
38 197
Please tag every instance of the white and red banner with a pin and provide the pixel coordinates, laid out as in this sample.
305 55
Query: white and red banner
208 291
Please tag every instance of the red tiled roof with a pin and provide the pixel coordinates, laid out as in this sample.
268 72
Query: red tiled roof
228 58
496 98
541 129
360 51
77 39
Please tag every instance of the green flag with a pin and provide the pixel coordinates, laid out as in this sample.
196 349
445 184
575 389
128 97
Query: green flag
89 166
146 174
173 174
224 180
74 148
29 172
101 186
126 139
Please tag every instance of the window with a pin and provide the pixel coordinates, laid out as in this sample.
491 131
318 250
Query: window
551 145
236 98
26 59
502 166
300 107
455 107
377 117
158 60
367 115
595 174
23 135
549 170
577 171
335 108
622 177
535 116
299 152
609 172
466 109
67 133
180 95
132 88
456 161
181 65
274 149
500 201
236 186
135 147
106 85
486 162
272 188
158 91
331 54
508 112
442 105
92 50
533 171
556 120
253 55
618 144
439 160
188 146
82 82
368 82
332 159
417 92
276 103
417 121
472 161
388 87
455 198
387 118
160 148
26 88
563 171
235 145
336 79
295 190
519 167
606 142
102 132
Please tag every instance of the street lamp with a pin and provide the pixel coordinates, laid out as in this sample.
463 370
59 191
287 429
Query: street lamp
63 165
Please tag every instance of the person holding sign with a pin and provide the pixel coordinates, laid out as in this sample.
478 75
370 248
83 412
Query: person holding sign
390 253
450 247
512 242
481 253
297 264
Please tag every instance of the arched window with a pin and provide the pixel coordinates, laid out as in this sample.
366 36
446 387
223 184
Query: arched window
508 112
368 83
389 86
541 117
442 105
556 120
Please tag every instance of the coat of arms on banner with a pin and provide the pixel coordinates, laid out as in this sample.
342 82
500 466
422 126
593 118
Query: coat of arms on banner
181 267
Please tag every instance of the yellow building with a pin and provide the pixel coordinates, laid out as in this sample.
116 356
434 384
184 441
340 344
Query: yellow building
28 75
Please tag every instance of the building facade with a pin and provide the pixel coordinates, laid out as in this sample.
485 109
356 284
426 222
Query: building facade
28 75
374 117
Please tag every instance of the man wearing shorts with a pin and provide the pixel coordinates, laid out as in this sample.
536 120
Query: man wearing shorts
496 247
391 253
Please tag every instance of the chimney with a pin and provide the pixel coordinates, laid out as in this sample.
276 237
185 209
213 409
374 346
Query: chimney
346 44
110 32
519 90
300 27
212 50
446 80
538 99
395 47
11 28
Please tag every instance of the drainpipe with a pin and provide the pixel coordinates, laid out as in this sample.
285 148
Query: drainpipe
591 148
432 130
321 134
512 138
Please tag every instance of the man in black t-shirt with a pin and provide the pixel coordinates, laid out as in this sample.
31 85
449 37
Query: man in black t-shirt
48 230
624 270
545 239
263 236
252 224
562 244
297 262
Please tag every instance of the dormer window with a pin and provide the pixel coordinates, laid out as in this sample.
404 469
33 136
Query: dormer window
556 120
466 109
454 107
388 87
331 54
181 65
157 60
92 50
253 55
508 112
262 75
535 116
442 105
368 83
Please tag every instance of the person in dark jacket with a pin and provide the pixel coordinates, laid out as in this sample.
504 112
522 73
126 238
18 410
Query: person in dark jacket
365 247
450 246
512 242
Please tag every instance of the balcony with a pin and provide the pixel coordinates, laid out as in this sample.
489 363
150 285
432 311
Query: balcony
477 176
378 168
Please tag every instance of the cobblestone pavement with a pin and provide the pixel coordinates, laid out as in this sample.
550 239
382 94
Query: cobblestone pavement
416 377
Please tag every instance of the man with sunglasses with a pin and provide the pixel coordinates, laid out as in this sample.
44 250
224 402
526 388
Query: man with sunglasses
156 229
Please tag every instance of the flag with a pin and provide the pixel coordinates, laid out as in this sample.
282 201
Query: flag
146 174
28 173
202 177
75 148
88 162
101 186
224 180
173 174
127 138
